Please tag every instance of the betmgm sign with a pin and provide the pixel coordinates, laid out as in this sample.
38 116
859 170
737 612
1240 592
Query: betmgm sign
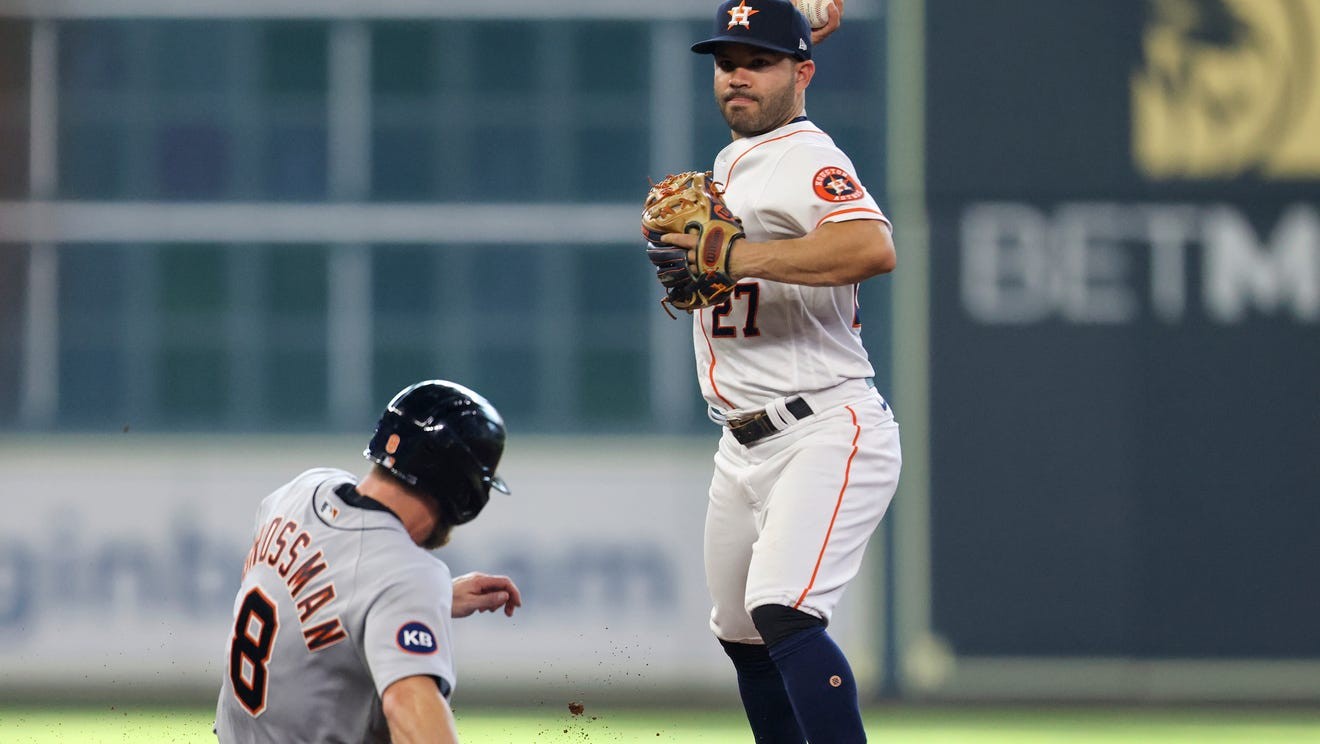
1228 88
1125 294
1225 101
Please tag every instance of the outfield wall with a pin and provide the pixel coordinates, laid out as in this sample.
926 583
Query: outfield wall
120 557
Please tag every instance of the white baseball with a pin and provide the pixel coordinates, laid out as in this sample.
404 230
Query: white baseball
816 11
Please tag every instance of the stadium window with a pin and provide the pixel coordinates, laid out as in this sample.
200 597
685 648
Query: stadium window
14 73
95 339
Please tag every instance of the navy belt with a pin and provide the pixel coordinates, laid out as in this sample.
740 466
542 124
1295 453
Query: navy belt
759 425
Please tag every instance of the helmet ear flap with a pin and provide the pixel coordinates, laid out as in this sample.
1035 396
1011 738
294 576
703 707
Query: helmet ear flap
457 480
467 499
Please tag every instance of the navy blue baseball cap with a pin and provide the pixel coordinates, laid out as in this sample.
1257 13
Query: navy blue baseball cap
769 24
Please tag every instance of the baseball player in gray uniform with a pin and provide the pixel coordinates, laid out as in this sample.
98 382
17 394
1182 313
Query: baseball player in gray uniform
809 458
341 627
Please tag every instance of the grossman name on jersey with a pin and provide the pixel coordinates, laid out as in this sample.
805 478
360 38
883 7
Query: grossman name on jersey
280 544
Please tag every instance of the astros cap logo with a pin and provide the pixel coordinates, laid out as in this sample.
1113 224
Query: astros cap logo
740 15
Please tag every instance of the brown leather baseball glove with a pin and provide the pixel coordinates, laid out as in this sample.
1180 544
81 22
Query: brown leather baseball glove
691 203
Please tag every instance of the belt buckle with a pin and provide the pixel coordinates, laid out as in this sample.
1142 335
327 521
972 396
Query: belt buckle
746 419
751 428
739 422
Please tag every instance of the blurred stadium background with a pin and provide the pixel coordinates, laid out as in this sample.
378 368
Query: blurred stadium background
229 231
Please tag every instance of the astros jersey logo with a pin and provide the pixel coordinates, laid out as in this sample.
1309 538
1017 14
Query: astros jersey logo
835 185
741 15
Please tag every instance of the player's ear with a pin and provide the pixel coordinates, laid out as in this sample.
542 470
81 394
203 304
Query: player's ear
806 69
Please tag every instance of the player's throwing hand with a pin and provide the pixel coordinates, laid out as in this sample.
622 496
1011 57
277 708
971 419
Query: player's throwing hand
836 18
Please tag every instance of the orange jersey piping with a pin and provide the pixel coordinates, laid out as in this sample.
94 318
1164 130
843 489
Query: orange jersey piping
729 176
847 472
711 372
853 209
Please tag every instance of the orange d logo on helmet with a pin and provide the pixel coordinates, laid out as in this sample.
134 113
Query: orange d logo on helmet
392 444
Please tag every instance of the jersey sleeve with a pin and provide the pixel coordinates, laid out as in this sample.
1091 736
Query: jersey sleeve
407 628
813 184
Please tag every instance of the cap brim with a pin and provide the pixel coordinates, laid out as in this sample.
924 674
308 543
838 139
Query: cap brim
498 484
710 45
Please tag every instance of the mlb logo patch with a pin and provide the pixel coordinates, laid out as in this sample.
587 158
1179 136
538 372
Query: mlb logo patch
329 510
416 638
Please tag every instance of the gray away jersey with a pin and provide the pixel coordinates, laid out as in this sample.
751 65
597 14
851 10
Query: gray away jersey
337 603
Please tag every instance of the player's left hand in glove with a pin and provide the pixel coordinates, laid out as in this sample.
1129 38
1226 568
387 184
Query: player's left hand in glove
691 203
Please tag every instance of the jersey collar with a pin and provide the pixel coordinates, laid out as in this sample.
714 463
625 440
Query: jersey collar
351 496
796 124
737 148
340 506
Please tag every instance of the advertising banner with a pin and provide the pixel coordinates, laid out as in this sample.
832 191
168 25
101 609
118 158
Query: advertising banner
120 558
1125 384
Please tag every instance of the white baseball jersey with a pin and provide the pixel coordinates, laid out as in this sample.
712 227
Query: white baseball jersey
337 602
790 515
774 340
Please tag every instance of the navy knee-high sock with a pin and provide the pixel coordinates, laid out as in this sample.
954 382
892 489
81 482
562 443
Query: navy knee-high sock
821 686
769 711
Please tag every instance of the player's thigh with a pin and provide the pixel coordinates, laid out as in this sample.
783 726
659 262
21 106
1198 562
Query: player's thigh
729 535
833 487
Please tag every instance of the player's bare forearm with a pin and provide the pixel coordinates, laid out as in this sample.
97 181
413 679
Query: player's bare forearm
479 592
833 255
417 713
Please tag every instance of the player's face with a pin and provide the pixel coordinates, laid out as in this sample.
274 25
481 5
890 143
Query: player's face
758 90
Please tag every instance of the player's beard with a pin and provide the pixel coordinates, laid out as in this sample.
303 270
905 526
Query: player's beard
770 111
439 537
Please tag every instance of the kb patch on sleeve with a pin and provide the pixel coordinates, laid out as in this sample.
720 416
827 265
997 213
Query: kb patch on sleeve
835 185
416 638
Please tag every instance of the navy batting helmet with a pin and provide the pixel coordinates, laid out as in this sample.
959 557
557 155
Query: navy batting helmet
445 440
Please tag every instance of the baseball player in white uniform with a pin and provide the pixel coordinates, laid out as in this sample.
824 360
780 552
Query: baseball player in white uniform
809 458
341 627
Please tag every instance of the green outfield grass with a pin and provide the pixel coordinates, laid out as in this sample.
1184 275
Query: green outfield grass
899 725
